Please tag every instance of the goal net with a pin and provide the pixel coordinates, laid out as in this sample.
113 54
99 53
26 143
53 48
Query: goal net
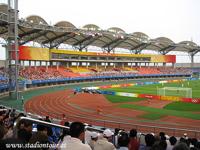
175 91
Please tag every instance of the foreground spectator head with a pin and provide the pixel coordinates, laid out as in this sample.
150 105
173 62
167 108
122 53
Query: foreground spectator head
159 145
197 145
123 140
27 125
182 140
77 130
2 131
133 133
42 128
185 136
40 136
23 135
194 141
108 133
181 146
162 133
117 131
149 139
162 136
172 140
66 124
163 144
47 119
94 136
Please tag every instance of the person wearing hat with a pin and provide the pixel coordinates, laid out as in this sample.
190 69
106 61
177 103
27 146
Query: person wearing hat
94 138
103 143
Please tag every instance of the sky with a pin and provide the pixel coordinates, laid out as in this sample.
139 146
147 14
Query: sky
178 20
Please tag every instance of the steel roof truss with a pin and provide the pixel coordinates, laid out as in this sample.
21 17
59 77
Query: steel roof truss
33 37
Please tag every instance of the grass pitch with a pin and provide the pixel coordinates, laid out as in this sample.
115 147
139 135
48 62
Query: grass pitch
122 99
178 109
161 112
152 89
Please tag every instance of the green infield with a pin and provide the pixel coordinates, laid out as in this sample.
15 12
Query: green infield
162 112
152 89
181 106
122 99
180 109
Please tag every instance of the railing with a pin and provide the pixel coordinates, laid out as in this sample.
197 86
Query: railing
32 120
48 124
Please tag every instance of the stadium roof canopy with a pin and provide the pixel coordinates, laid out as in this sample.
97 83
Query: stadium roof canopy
35 28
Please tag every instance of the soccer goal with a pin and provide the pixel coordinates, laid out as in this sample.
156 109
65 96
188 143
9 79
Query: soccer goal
175 91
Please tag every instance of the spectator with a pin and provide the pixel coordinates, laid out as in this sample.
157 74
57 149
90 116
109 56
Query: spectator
142 141
149 140
22 100
23 135
13 113
159 145
115 139
94 138
9 132
194 142
181 146
2 132
162 136
65 132
134 143
40 136
123 141
103 143
172 143
74 141
47 119
197 145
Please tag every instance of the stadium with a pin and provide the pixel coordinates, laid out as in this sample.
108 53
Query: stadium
116 85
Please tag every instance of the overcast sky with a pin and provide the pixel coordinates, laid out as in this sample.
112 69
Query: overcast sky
178 20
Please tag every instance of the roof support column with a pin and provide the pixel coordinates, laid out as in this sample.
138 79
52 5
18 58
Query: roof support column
192 54
13 52
192 60
46 63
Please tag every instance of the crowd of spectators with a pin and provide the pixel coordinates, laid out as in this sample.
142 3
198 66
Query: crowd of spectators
3 76
39 73
171 70
42 73
141 71
113 73
79 136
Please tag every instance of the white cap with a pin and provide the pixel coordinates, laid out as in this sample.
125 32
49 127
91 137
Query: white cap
108 133
152 133
94 135
167 137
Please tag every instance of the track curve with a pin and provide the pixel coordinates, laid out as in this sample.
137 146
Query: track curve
84 107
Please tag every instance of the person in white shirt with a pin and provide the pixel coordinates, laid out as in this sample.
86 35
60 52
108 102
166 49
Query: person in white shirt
103 143
94 138
74 141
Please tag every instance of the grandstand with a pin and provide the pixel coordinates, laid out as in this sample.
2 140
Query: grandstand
70 85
